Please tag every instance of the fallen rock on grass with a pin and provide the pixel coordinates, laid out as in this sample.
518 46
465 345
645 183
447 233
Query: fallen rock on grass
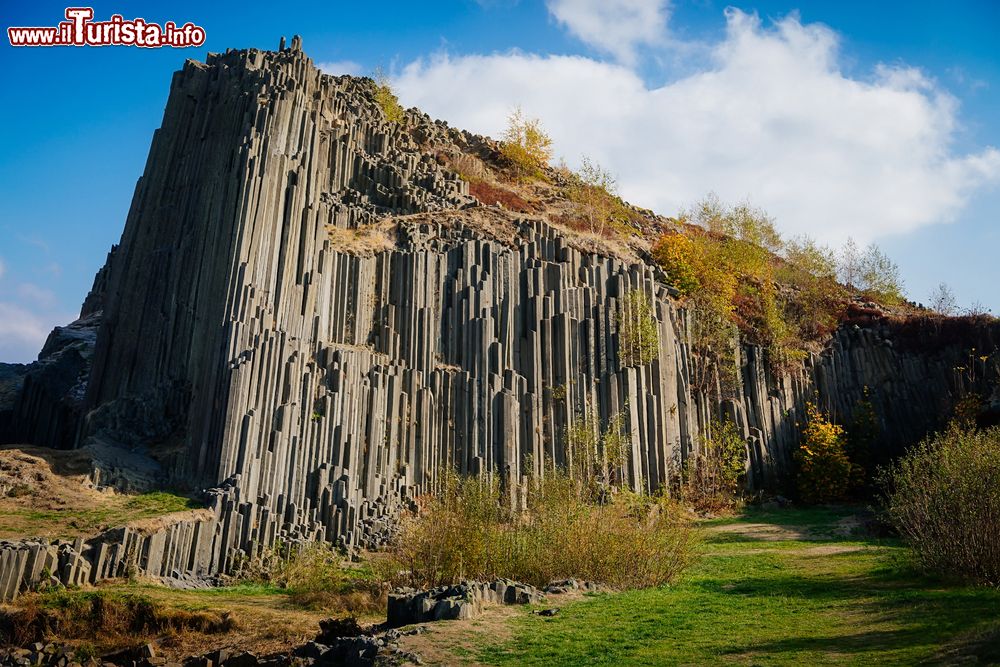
409 606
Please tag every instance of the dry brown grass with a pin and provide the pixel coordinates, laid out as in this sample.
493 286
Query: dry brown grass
107 620
470 532
469 167
44 493
364 241
184 622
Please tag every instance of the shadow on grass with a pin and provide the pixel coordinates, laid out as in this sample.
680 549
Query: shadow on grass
923 612
850 598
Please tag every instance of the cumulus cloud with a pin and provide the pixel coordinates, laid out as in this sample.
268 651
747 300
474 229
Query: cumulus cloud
613 26
22 333
772 116
338 67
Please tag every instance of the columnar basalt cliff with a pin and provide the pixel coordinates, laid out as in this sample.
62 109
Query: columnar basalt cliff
318 388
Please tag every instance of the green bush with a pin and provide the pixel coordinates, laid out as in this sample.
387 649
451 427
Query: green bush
943 496
714 474
595 457
471 531
315 576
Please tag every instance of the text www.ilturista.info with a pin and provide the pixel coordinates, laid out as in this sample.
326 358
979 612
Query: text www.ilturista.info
80 30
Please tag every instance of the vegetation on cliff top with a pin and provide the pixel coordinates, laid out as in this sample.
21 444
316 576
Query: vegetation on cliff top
727 262
385 97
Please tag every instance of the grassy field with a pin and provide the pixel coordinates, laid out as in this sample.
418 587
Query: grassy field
788 587
785 587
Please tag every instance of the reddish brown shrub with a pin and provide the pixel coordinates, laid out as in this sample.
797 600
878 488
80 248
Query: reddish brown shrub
490 194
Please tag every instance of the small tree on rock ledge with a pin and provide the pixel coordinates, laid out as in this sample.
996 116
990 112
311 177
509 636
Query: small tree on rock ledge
638 338
525 146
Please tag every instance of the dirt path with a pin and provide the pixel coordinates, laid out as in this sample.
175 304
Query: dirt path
457 642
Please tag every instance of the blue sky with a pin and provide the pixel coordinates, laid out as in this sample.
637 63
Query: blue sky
871 120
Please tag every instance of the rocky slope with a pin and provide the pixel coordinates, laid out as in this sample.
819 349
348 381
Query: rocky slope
253 337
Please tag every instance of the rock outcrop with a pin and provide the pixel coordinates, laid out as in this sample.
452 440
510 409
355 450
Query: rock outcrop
461 601
243 343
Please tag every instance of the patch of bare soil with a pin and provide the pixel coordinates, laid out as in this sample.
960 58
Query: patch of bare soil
767 532
39 480
457 642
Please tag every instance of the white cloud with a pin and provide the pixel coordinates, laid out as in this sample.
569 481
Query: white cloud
3 268
339 67
35 295
771 117
22 333
613 26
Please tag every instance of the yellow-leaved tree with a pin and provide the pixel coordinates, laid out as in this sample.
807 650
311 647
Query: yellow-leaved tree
525 145
824 472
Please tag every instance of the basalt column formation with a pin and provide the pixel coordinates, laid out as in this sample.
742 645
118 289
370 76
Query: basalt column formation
317 386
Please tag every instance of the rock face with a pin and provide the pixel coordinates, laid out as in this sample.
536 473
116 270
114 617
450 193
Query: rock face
242 344
42 402
180 553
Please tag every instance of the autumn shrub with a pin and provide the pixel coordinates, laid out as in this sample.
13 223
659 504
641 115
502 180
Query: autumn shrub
526 148
471 531
599 209
714 474
943 496
490 194
638 337
732 266
814 304
386 98
314 575
824 473
676 255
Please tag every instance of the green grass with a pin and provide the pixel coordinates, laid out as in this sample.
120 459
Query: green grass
810 598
